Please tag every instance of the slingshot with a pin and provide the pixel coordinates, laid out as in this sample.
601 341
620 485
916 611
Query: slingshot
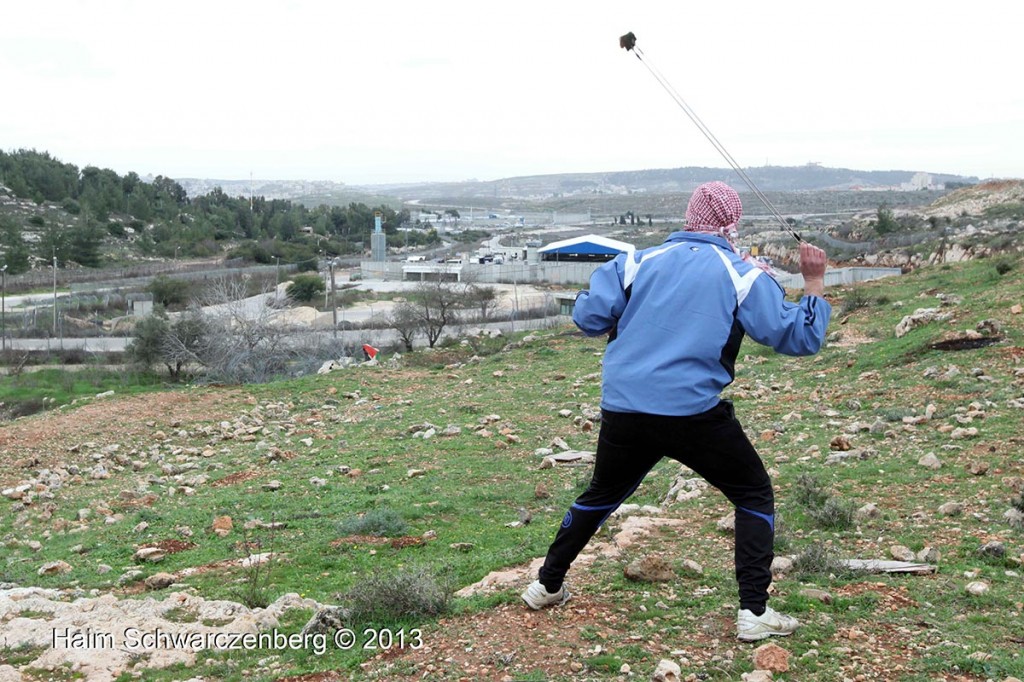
628 42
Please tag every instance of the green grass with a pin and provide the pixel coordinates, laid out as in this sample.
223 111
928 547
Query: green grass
473 486
42 389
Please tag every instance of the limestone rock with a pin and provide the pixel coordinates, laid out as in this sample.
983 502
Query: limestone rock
727 523
951 508
150 554
868 511
771 657
757 676
222 525
930 461
901 553
816 595
977 588
159 581
649 569
666 671
54 568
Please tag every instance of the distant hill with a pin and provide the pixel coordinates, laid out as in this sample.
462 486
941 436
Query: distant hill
768 178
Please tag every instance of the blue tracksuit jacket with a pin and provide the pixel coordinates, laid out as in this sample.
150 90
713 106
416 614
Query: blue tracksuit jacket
678 313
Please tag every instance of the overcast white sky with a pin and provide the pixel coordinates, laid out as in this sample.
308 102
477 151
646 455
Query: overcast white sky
397 90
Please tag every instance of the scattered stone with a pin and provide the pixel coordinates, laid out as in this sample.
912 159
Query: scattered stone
649 569
54 568
841 443
901 553
727 523
929 555
415 473
756 676
150 554
326 621
992 549
930 461
961 433
977 588
771 657
978 468
855 453
461 546
918 318
1014 517
222 525
692 567
159 581
541 492
316 482
868 511
781 565
685 487
273 485
666 671
140 527
951 508
817 595
568 458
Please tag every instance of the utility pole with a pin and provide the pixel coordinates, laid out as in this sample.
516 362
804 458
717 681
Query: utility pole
55 295
334 306
3 308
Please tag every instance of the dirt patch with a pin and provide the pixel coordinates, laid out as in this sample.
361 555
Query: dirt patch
237 477
397 543
965 343
48 437
170 546
329 676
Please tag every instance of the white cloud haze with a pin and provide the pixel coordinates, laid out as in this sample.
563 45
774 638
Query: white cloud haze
403 91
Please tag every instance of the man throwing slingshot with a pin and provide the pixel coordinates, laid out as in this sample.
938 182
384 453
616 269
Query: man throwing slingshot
676 315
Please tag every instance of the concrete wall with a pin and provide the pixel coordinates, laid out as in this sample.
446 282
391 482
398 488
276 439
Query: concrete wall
571 274
553 273
840 276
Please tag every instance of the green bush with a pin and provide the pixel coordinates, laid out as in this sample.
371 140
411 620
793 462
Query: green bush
169 292
305 288
411 593
379 522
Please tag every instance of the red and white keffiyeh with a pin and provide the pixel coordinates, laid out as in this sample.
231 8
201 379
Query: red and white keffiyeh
715 207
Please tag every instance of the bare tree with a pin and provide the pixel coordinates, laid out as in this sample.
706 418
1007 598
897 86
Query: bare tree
245 339
481 297
405 319
438 304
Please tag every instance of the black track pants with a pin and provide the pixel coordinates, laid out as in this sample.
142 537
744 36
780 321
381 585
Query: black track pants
713 445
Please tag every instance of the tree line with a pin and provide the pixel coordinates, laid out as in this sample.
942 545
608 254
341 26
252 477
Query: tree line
84 214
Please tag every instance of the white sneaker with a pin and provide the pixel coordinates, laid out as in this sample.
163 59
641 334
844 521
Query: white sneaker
751 628
537 596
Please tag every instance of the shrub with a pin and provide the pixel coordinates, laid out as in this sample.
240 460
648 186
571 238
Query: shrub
379 522
834 514
856 299
815 559
824 509
305 288
809 492
410 593
169 292
1003 265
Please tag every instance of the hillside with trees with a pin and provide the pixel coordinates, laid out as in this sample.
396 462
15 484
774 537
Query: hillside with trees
93 217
